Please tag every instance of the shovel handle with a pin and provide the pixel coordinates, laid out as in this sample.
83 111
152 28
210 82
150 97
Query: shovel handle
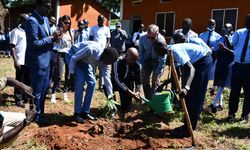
183 103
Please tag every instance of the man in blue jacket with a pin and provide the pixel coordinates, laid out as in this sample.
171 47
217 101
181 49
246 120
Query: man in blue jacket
39 44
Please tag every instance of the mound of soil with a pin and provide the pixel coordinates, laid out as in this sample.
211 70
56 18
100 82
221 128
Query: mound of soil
133 132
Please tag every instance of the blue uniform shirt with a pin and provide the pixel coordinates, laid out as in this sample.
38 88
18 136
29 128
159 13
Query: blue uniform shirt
238 41
184 52
213 38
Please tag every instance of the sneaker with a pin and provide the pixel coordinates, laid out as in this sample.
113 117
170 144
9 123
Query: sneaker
243 120
230 119
53 98
211 109
65 97
88 116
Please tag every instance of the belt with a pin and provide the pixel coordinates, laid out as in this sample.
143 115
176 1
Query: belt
201 59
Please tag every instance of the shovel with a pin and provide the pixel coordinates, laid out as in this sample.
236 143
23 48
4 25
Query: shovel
183 103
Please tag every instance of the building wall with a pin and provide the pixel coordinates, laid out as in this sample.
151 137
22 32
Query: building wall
198 10
79 10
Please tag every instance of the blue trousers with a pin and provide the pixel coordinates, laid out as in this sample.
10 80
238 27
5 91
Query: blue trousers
240 79
39 84
83 73
196 96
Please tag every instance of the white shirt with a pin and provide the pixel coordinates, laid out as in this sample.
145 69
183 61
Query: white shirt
18 38
136 41
100 34
64 44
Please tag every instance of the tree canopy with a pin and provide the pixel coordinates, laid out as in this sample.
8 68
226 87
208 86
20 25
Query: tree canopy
113 5
17 3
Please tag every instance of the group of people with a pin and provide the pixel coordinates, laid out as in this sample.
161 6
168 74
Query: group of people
41 49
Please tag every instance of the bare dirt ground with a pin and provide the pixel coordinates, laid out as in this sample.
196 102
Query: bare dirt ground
136 130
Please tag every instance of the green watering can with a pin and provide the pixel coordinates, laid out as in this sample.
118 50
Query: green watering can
161 102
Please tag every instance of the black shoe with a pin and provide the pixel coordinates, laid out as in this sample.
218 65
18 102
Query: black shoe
219 108
211 109
243 120
88 116
211 91
180 132
230 119
20 104
78 118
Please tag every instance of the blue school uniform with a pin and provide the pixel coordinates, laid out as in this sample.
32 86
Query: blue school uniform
201 59
240 73
224 63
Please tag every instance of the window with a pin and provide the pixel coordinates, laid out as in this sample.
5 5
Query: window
164 1
166 20
136 2
222 16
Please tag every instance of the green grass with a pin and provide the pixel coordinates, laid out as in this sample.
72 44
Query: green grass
212 128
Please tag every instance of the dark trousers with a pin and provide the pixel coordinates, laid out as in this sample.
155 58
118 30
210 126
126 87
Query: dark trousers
39 84
240 79
125 98
196 96
61 64
22 75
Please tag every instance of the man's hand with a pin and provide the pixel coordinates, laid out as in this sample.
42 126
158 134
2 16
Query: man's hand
160 88
57 34
17 65
27 90
221 45
183 93
135 95
30 116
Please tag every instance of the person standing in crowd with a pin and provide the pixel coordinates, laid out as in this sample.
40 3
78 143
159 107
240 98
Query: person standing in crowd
195 61
86 25
81 34
52 24
240 73
18 50
125 75
137 35
101 34
152 63
223 71
118 39
81 55
39 44
186 29
6 43
53 60
62 47
211 37
12 123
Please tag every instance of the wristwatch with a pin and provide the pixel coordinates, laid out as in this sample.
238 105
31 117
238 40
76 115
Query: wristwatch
187 88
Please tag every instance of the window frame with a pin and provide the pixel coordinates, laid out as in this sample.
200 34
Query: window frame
137 2
161 1
167 12
224 12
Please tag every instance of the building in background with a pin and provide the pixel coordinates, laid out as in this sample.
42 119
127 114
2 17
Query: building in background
83 9
169 14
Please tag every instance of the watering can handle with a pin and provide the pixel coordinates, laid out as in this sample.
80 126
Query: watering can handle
144 99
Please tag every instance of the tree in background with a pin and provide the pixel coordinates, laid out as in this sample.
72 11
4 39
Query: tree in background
113 5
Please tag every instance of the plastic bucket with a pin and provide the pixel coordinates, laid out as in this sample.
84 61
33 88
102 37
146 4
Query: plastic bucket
161 102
